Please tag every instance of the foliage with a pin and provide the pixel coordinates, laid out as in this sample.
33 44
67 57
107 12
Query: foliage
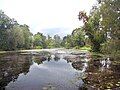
101 30
75 40
39 40
110 12
57 41
102 26
12 35
49 42
78 36
92 29
67 41
88 48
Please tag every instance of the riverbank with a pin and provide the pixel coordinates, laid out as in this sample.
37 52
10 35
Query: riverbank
36 65
50 50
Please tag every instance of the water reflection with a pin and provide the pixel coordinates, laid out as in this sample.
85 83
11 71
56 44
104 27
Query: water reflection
57 57
11 66
35 71
57 71
102 74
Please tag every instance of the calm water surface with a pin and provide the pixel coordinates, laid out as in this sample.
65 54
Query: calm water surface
31 72
56 72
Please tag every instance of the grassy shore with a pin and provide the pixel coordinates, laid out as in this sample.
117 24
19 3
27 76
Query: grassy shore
17 51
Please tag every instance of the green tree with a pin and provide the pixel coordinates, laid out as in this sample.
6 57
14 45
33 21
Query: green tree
78 36
110 13
57 41
27 36
12 35
5 25
39 40
68 41
49 42
92 29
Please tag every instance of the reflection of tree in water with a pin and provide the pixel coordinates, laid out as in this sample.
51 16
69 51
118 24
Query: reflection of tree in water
41 58
72 58
98 74
26 65
57 57
82 88
11 66
78 65
101 75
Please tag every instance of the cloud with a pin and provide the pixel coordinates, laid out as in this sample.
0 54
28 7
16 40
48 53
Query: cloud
45 14
59 30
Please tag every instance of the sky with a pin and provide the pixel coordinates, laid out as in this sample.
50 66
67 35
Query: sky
47 16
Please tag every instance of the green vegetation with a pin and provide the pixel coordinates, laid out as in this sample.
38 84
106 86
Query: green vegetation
100 32
39 41
102 26
110 12
12 35
88 48
75 40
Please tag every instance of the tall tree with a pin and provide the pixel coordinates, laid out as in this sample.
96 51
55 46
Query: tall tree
12 35
92 29
27 36
68 41
39 40
110 13
49 42
57 41
78 36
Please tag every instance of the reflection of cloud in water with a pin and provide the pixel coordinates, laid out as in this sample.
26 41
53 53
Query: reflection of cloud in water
43 71
41 66
53 66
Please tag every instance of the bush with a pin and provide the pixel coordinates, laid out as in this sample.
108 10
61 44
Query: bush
111 47
38 47
76 47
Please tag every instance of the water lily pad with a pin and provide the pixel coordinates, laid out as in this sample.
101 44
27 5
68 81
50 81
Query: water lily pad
84 77
108 87
117 84
111 84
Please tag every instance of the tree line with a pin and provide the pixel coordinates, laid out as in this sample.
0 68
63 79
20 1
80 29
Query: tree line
102 26
14 36
101 31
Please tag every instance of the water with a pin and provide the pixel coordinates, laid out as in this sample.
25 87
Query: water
57 70
31 72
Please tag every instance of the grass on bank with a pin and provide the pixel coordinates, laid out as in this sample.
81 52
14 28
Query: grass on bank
17 51
84 48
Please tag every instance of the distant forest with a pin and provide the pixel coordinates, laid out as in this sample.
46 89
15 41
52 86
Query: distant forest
100 32
14 36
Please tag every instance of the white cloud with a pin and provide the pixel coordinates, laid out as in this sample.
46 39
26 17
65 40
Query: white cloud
43 14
